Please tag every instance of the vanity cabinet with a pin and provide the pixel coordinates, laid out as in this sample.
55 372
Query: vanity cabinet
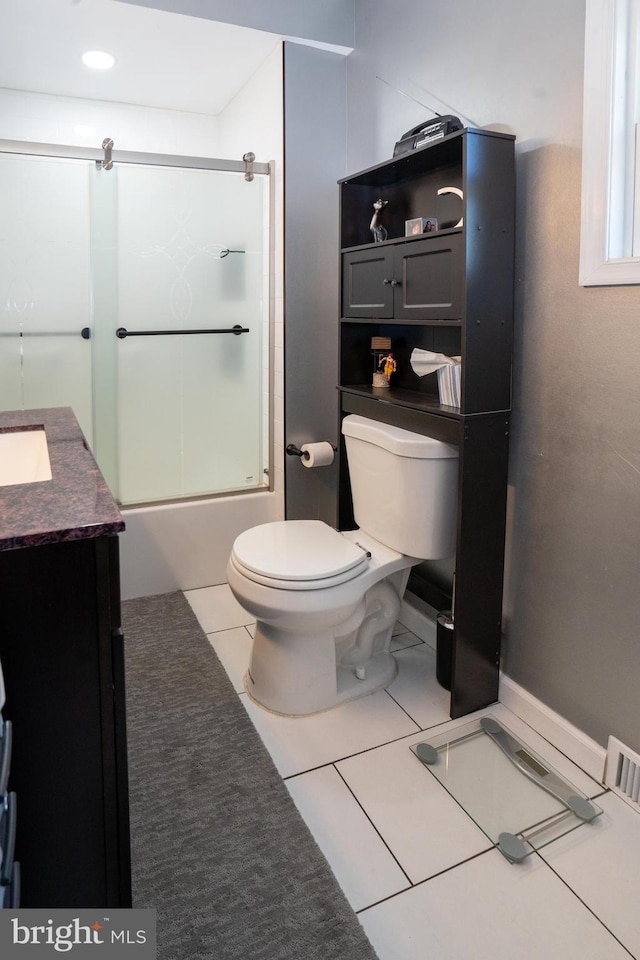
62 653
451 292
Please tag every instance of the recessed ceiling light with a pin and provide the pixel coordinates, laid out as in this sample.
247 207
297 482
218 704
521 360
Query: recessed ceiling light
98 59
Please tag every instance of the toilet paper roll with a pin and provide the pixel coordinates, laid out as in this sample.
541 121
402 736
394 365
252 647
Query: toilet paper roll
317 454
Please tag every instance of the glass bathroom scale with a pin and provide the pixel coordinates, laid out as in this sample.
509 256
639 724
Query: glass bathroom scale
514 796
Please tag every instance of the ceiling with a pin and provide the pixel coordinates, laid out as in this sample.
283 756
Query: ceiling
162 59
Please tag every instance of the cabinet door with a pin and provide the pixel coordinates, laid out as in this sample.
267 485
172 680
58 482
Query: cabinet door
65 700
367 289
429 279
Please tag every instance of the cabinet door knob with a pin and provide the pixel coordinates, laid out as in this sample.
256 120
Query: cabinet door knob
396 283
387 282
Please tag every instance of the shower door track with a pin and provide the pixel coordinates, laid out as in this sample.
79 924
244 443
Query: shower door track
128 156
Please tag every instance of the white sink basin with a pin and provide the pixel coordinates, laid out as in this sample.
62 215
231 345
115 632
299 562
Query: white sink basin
24 457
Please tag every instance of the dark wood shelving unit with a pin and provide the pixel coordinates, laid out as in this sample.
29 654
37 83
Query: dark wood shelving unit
451 292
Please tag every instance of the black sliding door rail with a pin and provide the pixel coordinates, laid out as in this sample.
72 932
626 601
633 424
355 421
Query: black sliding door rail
122 332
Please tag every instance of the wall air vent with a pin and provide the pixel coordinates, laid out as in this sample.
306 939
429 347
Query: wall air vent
622 772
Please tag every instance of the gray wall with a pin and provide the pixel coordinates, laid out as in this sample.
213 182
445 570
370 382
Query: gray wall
572 607
314 159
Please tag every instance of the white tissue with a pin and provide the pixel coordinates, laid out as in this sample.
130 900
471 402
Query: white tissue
424 361
449 373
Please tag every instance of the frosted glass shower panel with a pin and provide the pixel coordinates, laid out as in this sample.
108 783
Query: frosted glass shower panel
45 285
191 257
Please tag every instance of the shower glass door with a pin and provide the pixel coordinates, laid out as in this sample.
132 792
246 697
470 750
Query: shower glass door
151 263
45 290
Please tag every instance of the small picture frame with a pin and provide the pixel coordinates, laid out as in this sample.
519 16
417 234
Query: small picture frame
419 225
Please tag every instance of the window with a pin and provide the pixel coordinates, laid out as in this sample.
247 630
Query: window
610 231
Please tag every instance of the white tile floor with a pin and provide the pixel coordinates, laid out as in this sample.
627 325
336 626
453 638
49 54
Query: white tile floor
424 880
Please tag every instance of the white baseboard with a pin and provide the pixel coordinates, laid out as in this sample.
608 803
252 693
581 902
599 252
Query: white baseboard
419 617
570 740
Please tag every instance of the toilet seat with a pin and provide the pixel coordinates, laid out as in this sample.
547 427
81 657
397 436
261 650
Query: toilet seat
297 555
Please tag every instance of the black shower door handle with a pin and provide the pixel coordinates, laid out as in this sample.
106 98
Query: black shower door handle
122 333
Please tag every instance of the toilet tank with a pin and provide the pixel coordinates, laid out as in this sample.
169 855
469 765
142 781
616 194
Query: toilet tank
404 487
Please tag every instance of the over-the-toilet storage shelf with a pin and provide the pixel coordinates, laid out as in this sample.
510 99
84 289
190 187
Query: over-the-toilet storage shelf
450 291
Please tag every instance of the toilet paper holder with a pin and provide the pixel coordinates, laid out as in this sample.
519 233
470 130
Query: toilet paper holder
292 451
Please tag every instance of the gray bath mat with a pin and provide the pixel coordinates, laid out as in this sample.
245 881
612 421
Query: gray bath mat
218 846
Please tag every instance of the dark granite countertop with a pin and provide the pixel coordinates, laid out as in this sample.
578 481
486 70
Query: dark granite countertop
75 504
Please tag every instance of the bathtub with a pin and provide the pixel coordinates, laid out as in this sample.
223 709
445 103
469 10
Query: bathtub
186 545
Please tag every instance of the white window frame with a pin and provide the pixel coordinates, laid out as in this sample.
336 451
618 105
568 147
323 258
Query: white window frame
604 122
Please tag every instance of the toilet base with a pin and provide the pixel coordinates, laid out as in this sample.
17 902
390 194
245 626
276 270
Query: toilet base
318 647
379 673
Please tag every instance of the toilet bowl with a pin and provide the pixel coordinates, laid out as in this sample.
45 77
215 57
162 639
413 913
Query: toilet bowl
326 602
324 619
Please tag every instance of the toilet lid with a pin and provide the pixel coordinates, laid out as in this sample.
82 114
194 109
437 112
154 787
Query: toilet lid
297 550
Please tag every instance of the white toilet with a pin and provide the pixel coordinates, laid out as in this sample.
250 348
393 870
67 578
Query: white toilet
326 602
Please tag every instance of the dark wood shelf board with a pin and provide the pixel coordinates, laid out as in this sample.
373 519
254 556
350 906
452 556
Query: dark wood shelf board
393 241
441 153
401 322
427 420
404 398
